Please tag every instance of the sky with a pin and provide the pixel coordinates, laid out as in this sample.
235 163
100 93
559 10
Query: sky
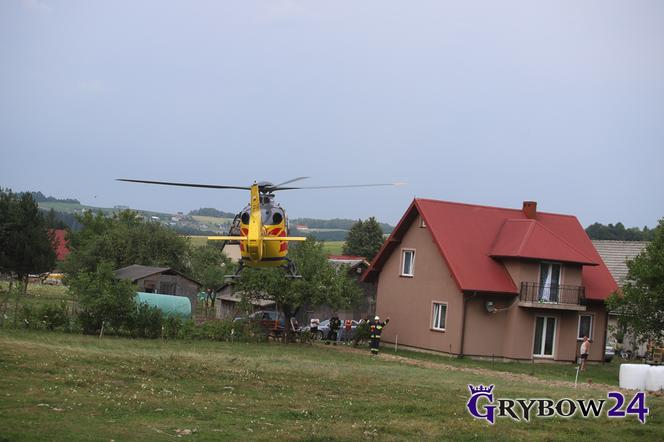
481 102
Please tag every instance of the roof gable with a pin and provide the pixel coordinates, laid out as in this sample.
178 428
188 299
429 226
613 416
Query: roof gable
530 239
466 235
135 272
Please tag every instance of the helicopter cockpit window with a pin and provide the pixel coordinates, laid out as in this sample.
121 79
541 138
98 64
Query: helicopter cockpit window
273 215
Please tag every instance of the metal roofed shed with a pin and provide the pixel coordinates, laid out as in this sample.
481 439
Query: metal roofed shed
170 305
161 280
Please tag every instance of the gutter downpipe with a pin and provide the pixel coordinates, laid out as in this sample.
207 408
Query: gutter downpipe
463 321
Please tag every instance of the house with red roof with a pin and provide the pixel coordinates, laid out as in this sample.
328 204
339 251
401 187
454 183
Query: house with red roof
491 282
60 244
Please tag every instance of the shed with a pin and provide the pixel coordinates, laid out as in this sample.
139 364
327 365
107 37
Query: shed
162 280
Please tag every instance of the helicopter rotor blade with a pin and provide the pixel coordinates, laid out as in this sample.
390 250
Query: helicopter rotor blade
289 181
167 183
346 186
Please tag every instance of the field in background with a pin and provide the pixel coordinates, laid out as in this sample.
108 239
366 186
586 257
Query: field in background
70 387
212 220
329 247
198 241
333 247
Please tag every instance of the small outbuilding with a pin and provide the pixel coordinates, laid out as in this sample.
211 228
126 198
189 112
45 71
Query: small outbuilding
162 280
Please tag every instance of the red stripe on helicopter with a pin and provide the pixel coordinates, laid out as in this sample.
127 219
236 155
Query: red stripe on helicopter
284 246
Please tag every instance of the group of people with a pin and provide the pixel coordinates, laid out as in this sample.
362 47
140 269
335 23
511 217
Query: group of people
368 328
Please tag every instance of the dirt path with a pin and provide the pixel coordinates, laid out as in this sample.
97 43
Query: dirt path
514 377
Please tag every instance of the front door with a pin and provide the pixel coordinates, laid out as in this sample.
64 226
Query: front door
545 332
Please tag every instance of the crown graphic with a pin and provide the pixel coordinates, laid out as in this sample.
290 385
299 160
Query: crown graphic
480 389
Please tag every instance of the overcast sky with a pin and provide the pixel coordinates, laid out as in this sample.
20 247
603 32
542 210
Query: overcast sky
482 102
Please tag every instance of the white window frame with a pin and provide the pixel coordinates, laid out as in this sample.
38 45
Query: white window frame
403 263
578 327
422 222
433 317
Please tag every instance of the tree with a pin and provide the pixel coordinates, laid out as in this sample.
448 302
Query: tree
103 300
618 232
320 282
26 245
210 265
122 240
640 308
364 239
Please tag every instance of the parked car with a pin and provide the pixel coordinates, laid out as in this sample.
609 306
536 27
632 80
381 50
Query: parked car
324 328
269 319
609 352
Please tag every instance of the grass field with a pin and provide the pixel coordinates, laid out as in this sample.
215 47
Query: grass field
333 247
212 219
71 387
198 241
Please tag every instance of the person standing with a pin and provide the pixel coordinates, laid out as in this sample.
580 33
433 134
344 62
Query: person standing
335 324
313 328
375 331
585 350
348 331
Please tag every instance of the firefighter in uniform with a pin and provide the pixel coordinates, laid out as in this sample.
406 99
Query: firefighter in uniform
335 324
375 330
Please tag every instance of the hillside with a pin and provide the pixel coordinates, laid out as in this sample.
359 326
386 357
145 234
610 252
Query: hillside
203 221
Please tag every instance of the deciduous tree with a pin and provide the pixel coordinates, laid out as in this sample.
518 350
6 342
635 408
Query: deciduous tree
365 239
26 245
122 240
320 284
641 305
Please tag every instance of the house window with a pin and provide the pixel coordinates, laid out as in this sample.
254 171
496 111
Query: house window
439 315
549 282
422 222
585 327
407 262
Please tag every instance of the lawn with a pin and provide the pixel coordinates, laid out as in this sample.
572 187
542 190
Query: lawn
69 387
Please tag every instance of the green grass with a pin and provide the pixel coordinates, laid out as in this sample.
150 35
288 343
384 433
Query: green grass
333 247
37 295
198 241
70 387
211 219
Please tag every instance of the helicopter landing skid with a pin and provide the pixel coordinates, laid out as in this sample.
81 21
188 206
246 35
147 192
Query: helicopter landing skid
292 272
236 275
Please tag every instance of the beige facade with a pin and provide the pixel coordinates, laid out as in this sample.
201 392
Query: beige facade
478 323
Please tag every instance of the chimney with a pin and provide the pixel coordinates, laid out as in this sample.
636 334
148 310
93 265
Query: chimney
530 209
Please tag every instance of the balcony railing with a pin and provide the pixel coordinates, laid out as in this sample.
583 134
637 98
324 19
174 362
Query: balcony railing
533 292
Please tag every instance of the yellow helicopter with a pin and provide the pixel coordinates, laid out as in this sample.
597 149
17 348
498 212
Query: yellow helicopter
261 227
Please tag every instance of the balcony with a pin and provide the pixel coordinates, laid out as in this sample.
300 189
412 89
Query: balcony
552 296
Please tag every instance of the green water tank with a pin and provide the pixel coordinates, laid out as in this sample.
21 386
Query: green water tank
170 305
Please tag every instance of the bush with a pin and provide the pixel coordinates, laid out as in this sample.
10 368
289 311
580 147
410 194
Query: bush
28 316
172 326
53 316
146 322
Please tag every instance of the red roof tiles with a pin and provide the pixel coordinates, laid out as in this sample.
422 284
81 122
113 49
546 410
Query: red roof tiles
60 244
471 237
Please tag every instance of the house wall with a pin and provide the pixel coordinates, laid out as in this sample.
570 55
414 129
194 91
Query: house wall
521 271
408 301
510 332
